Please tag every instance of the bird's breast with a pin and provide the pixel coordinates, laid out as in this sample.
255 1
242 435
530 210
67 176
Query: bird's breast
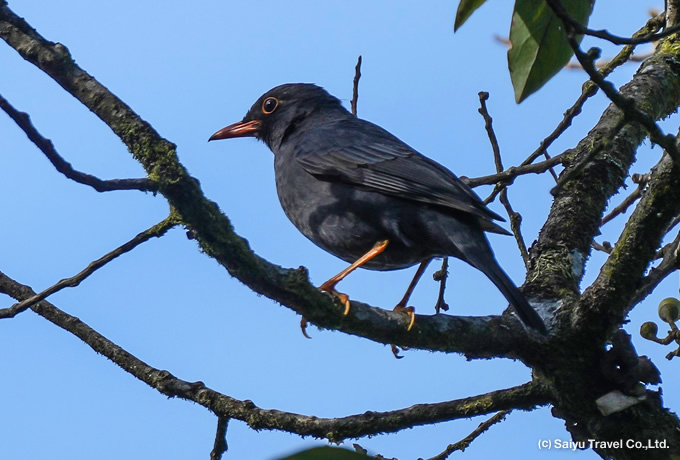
347 221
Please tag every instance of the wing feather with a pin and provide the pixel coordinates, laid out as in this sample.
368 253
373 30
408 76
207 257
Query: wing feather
362 154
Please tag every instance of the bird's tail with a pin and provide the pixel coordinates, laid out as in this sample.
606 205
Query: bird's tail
525 311
486 263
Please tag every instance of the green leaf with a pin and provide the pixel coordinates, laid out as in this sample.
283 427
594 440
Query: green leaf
327 453
539 44
465 10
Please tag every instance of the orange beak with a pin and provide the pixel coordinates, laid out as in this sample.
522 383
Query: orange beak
239 129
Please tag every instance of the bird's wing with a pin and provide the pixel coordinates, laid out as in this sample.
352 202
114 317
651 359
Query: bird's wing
364 155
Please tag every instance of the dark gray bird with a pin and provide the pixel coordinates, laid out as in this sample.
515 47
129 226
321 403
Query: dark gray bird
365 196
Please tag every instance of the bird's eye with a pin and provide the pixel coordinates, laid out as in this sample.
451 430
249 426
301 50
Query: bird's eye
269 105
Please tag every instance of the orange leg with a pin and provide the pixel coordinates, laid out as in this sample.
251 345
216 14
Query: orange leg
401 306
329 286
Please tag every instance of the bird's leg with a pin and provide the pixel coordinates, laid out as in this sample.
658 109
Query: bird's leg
329 286
401 306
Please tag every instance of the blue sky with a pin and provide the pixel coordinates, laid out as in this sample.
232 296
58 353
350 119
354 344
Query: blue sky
190 70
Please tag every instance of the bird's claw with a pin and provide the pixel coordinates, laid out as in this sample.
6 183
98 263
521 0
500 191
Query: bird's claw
395 351
344 298
303 326
410 311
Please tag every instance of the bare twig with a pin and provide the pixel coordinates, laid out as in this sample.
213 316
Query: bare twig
589 88
668 265
604 247
625 204
578 169
355 87
581 30
509 175
441 275
220 446
45 145
467 440
515 218
600 63
626 105
636 39
515 226
641 180
664 251
157 230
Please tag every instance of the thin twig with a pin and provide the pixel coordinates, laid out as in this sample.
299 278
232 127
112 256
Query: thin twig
641 181
625 204
605 247
580 29
515 226
509 175
668 265
590 88
600 63
45 145
355 87
515 217
666 249
625 104
578 169
157 230
441 275
467 440
220 446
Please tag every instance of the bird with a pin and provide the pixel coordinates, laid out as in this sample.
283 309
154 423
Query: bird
365 196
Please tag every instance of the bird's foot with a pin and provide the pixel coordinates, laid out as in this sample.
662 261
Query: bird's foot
395 351
344 298
330 288
410 311
303 327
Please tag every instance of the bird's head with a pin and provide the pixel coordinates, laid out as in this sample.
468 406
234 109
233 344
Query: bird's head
282 111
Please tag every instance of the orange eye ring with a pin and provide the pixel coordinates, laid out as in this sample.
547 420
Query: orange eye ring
269 105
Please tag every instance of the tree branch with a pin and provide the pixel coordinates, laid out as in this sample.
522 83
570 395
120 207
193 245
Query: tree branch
580 29
625 204
527 396
475 337
156 231
509 175
564 242
590 88
515 218
627 105
669 264
45 145
220 446
467 440
355 87
621 276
